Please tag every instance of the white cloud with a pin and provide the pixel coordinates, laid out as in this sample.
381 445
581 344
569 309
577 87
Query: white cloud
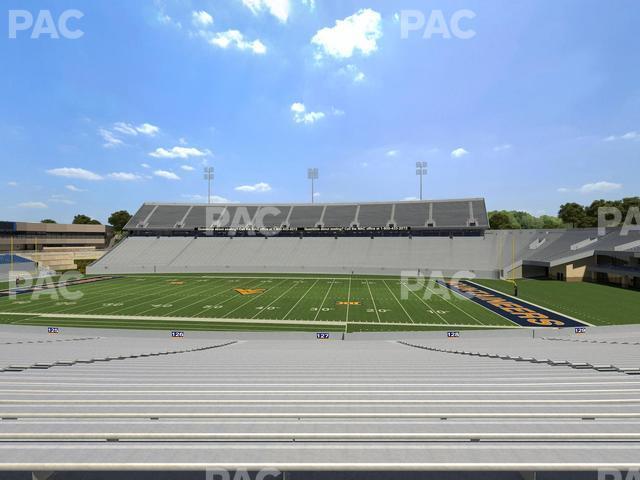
277 8
73 188
166 174
182 141
592 188
599 187
260 187
392 153
311 4
145 165
179 152
129 129
359 32
12 184
61 199
148 129
203 198
502 148
124 176
70 172
410 199
236 39
110 140
201 18
353 73
33 205
187 168
459 153
300 114
627 136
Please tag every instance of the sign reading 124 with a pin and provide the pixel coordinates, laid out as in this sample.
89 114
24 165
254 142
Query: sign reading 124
453 334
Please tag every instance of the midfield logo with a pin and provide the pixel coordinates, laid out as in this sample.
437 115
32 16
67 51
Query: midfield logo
250 291
347 303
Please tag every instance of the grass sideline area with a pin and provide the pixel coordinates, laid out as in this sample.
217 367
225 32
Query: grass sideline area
594 303
251 302
300 303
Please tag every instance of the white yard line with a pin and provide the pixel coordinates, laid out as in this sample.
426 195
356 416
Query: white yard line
324 299
301 298
455 306
375 308
227 289
278 298
256 297
401 306
516 299
426 304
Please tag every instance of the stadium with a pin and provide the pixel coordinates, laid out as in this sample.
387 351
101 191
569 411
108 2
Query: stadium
368 338
319 240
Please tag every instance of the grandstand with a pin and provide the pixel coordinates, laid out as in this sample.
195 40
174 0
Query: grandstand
446 236
503 403
439 217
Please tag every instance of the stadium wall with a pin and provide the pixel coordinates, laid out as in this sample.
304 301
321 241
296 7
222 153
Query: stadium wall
341 255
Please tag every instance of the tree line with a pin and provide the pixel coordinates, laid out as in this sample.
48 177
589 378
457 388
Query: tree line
570 215
117 220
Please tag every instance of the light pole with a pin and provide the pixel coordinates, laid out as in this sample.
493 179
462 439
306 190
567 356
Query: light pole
208 176
421 170
312 174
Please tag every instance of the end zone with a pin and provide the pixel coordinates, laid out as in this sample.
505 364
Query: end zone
518 311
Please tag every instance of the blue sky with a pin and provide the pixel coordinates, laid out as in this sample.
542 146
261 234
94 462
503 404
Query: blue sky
540 107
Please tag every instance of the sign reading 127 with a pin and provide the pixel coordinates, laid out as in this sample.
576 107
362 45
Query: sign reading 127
322 336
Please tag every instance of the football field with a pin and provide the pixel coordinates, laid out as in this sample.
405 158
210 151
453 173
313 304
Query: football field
212 302
301 303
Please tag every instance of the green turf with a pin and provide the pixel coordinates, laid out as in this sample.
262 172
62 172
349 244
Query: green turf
593 303
300 302
287 302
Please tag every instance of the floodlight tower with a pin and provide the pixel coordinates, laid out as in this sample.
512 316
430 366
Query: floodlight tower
421 170
208 176
312 174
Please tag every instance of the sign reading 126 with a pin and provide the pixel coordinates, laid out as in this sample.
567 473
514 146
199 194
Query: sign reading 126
176 334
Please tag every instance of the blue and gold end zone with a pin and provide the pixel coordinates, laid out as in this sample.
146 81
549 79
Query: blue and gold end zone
513 309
